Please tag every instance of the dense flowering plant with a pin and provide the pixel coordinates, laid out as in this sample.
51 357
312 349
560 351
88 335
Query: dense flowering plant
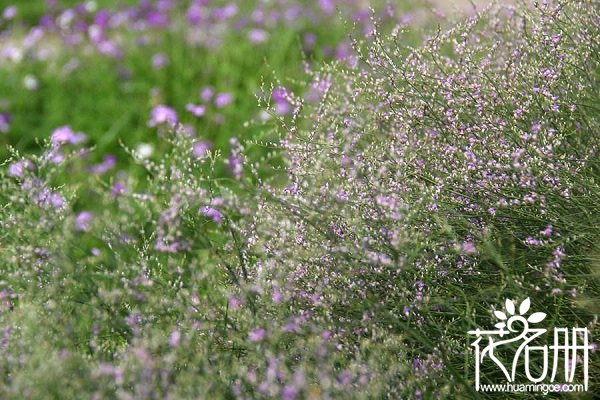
344 255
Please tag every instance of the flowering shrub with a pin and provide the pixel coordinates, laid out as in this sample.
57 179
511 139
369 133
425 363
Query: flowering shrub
405 194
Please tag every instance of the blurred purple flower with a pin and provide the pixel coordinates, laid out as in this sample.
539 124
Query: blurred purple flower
46 21
207 93
290 392
109 48
157 19
235 165
106 165
222 13
310 39
197 110
83 221
117 189
17 169
9 12
258 35
47 198
102 18
280 97
257 334
223 99
201 147
162 114
328 6
5 119
468 248
213 214
234 303
547 231
159 60
175 338
194 14
343 51
65 134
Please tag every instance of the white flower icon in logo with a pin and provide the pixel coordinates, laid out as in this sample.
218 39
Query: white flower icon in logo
507 320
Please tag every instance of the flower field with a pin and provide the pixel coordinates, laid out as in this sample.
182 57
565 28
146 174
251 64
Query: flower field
290 199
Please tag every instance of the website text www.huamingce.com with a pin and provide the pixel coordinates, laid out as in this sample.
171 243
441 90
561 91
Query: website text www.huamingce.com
532 387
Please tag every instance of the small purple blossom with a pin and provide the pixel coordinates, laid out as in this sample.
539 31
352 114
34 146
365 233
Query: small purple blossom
201 148
207 93
223 100
5 119
159 61
234 303
9 12
469 248
49 199
65 134
258 36
162 114
175 338
196 110
547 232
103 167
118 189
235 165
213 214
257 335
281 98
18 168
83 221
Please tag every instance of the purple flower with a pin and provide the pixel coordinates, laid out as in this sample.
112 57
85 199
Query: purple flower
17 169
9 12
328 6
223 100
277 296
280 97
197 110
222 13
213 214
65 134
102 18
162 114
194 14
257 335
175 338
469 248
106 165
157 19
547 231
159 60
234 303
5 119
258 36
83 221
109 48
310 39
235 165
207 93
47 199
290 392
118 189
201 147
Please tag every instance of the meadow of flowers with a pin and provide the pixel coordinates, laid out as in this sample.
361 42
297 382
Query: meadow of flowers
290 199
